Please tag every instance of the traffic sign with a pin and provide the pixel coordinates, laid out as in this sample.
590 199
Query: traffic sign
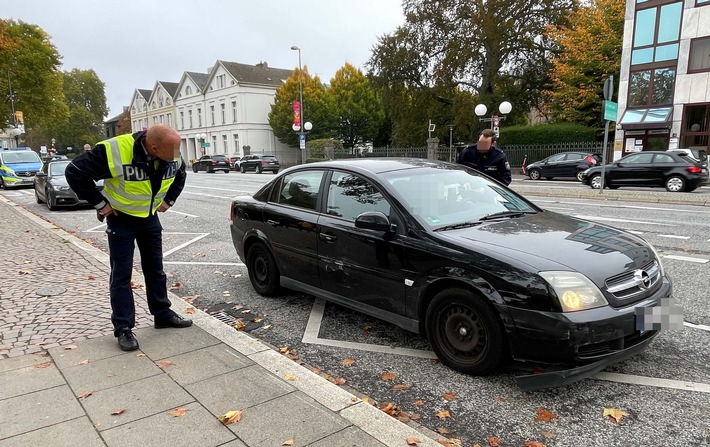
205 144
610 110
609 89
496 120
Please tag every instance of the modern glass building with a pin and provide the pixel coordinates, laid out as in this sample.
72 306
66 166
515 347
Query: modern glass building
664 90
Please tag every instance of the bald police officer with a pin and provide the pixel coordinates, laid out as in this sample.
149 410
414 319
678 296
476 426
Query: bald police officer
486 158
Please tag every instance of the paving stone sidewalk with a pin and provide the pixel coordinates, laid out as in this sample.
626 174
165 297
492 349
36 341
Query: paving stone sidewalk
64 382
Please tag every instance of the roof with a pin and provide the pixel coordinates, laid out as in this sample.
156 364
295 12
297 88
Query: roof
378 165
170 87
200 79
116 118
260 73
144 93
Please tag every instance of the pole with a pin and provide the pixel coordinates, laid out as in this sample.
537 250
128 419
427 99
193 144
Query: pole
300 95
606 138
451 141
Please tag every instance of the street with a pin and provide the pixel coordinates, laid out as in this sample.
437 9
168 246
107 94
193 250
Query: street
665 392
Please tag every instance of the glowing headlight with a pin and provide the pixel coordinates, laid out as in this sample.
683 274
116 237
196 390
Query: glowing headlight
574 291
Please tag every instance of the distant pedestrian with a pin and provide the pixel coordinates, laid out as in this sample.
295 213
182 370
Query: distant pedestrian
143 175
87 147
485 157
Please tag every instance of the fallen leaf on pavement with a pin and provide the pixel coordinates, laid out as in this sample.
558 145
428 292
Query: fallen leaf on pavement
231 417
140 355
240 326
415 416
90 277
84 362
502 399
43 365
419 403
451 442
257 320
25 272
443 414
615 415
117 412
85 394
289 377
266 326
178 412
533 444
340 381
289 442
246 311
548 434
388 376
176 285
401 387
284 349
347 362
449 396
68 347
389 408
443 431
190 299
413 441
164 363
493 441
544 415
190 310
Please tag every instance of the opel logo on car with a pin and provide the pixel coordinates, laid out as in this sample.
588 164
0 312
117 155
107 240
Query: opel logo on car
642 279
27 174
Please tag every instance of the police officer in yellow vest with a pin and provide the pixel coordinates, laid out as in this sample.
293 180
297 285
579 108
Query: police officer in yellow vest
143 175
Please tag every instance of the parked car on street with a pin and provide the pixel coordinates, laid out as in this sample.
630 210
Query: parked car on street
677 173
698 155
212 163
51 186
18 167
442 250
564 164
259 163
234 162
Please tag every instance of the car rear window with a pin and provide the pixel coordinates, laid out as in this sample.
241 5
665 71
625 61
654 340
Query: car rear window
221 157
269 157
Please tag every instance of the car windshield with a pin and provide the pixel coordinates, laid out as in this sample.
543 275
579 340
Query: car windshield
441 197
220 157
57 169
20 157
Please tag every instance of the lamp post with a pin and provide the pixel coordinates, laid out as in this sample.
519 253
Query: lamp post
302 127
451 140
16 133
505 107
201 137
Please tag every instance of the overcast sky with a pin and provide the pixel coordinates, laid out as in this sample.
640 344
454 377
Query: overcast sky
131 44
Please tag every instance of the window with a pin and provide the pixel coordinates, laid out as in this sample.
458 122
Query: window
350 195
656 34
155 120
642 158
234 111
300 189
189 117
225 147
214 143
135 125
182 119
695 128
223 113
699 59
220 81
651 87
556 157
212 114
199 117
162 117
702 2
188 90
236 142
170 119
663 158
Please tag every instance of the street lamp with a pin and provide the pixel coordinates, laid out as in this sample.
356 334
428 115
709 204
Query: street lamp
16 133
505 107
201 137
302 127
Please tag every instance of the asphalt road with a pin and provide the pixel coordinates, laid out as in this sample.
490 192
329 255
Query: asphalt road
665 391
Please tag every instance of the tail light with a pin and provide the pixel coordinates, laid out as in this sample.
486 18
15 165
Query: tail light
264 162
695 169
231 213
214 162
591 160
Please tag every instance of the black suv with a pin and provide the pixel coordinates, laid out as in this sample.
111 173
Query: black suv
564 164
259 163
211 163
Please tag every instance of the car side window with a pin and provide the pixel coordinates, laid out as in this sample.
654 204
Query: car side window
350 195
300 189
556 157
574 156
663 158
639 158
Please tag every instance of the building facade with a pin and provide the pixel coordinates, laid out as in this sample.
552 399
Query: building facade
664 90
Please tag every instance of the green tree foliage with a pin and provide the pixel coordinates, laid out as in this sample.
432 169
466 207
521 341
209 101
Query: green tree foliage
86 99
590 51
32 63
317 108
360 112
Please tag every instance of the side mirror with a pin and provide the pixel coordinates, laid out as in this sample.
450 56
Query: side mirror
40 174
374 220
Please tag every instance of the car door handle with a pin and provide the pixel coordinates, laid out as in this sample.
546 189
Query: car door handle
327 237
273 223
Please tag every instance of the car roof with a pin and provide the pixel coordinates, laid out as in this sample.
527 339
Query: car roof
379 165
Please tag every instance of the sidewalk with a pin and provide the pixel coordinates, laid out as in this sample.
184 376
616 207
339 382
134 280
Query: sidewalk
64 382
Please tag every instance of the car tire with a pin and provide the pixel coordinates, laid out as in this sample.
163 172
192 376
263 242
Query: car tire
2 183
194 168
534 174
209 170
37 197
465 332
580 175
243 169
51 204
675 183
257 169
595 181
263 272
276 171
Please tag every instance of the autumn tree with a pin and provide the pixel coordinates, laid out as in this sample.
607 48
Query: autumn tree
358 108
30 61
317 108
590 51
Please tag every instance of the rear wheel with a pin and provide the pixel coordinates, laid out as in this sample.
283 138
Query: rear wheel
263 272
258 169
194 168
580 175
51 201
465 332
534 174
675 183
276 171
210 170
243 169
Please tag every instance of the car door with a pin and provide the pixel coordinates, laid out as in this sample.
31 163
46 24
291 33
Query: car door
552 167
364 266
661 167
632 170
571 164
290 220
203 162
41 181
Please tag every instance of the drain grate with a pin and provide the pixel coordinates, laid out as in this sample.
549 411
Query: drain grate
225 318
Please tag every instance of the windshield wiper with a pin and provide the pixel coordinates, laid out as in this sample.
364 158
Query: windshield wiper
504 214
459 225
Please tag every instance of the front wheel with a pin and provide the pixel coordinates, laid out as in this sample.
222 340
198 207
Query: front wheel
580 175
51 201
258 169
263 272
596 181
194 168
243 169
534 174
465 332
675 183
37 197
276 171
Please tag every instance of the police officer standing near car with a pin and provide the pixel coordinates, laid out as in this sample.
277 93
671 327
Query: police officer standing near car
485 157
143 176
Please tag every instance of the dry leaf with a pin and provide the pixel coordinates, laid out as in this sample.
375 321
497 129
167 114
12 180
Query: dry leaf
283 349
240 326
548 434
347 362
401 387
231 417
316 370
388 376
266 326
178 412
289 377
117 412
69 347
544 415
164 363
451 442
449 396
85 394
142 354
289 442
190 310
443 431
533 444
25 272
136 286
340 381
84 362
493 441
419 403
43 365
176 285
257 320
390 408
413 441
246 311
90 277
502 399
190 299
443 414
615 415
415 416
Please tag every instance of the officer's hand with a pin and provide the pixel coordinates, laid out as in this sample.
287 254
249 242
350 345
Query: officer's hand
107 211
163 207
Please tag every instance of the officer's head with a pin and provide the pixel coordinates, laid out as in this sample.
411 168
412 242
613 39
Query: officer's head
486 139
163 141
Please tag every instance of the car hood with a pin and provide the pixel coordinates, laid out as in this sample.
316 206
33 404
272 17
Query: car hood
27 166
552 241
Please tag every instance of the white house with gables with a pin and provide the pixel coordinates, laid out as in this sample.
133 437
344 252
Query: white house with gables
139 109
161 106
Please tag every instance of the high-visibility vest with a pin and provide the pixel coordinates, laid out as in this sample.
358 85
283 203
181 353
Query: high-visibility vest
129 190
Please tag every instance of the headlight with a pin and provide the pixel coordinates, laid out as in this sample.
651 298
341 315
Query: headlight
658 258
574 291
63 188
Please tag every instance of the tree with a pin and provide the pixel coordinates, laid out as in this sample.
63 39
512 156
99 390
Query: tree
317 108
590 51
359 109
32 63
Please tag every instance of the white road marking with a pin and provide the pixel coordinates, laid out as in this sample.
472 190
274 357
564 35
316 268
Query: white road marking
207 195
687 258
673 236
650 208
652 381
184 214
611 219
702 327
181 246
96 229
558 208
635 232
235 264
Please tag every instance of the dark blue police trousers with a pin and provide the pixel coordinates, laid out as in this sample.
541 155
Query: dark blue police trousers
124 233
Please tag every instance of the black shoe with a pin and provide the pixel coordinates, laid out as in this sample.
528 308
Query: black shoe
126 340
173 320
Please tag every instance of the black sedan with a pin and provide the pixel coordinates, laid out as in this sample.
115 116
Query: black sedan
565 164
440 250
675 172
51 186
212 163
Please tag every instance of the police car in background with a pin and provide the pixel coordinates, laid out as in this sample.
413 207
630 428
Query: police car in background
18 167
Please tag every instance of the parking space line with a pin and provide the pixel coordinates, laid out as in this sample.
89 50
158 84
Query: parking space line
612 219
653 381
702 327
687 258
673 236
181 246
184 214
235 264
